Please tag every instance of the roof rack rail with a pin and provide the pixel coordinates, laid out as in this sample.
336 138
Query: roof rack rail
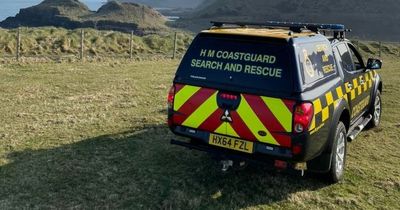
338 30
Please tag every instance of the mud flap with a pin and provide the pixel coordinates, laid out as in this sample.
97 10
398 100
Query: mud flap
321 164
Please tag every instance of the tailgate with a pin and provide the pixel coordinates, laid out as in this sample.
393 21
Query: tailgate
245 116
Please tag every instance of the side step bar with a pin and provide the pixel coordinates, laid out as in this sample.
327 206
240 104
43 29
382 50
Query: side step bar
357 130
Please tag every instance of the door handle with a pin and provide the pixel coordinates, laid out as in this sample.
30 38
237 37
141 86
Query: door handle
350 86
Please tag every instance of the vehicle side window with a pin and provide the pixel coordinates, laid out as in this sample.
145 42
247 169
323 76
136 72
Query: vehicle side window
346 60
357 59
316 61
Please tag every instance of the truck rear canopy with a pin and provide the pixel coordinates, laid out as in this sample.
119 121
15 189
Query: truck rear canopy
238 63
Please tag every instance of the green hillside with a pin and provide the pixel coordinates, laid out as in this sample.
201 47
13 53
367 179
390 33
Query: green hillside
142 15
58 42
51 42
369 19
168 3
68 8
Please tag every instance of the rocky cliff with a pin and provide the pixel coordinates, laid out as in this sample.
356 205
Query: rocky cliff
73 14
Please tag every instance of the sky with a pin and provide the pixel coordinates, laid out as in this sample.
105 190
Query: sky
12 7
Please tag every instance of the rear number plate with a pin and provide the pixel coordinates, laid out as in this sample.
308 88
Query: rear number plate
231 143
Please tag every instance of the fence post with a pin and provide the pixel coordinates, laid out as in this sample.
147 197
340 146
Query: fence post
398 50
82 45
380 49
143 14
18 43
131 46
175 40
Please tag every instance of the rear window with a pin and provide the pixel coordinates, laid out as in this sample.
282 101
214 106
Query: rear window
237 62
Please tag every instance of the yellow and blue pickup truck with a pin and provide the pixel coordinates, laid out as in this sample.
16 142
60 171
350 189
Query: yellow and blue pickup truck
288 94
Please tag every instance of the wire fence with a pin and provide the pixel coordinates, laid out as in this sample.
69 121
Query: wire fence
86 44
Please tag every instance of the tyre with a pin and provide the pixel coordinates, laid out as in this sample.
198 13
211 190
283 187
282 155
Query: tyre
376 111
339 149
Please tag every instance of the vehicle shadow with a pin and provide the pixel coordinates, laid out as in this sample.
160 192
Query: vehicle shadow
136 170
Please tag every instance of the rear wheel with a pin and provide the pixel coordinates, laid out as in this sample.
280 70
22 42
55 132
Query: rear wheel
338 159
376 111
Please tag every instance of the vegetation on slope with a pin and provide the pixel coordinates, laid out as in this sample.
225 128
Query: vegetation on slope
56 42
168 3
144 16
68 8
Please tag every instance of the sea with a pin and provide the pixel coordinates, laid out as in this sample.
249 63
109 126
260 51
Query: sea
11 7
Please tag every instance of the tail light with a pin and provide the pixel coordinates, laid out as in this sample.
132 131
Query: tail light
279 164
303 115
170 99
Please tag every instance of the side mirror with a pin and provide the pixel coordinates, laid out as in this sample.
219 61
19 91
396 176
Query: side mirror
374 63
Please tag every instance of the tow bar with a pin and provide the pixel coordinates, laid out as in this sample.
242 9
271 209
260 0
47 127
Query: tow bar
226 165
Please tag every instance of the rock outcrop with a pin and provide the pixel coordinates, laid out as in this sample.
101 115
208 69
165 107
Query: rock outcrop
73 14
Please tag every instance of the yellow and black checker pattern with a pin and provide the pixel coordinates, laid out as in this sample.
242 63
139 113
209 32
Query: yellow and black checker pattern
325 105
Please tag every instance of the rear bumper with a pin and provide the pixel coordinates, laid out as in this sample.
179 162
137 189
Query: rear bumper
261 151
222 154
230 154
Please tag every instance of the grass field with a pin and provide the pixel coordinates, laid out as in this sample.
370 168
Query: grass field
93 136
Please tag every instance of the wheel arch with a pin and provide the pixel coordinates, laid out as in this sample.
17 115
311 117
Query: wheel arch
322 163
345 118
341 113
378 86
